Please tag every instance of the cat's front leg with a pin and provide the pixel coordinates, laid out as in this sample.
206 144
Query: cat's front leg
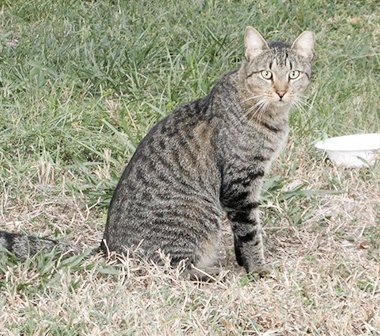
249 250
242 211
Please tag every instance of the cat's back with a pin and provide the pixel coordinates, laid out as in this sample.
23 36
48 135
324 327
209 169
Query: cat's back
169 187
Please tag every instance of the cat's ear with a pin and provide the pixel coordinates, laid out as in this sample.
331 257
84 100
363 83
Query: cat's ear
254 43
304 45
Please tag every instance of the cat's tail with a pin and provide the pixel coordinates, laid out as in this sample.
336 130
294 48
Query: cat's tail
24 246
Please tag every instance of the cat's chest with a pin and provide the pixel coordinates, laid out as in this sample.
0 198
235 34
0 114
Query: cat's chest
262 138
256 150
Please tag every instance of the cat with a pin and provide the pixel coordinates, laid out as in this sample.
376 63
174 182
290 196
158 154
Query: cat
203 162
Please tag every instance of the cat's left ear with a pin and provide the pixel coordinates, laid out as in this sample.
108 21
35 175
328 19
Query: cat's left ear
304 45
254 43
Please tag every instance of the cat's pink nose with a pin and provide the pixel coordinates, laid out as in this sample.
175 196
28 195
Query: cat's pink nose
281 93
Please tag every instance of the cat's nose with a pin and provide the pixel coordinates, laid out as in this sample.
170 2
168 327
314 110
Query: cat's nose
281 93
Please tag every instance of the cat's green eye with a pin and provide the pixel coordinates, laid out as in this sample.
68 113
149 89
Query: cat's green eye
294 74
266 74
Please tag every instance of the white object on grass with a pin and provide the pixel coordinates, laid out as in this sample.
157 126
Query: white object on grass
352 151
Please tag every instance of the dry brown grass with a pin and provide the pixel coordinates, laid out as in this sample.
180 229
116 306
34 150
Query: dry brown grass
82 81
325 278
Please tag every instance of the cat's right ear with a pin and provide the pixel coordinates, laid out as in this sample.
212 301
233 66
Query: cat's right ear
254 43
304 45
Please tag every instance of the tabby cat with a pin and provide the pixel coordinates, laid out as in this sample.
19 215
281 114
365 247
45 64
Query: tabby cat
204 161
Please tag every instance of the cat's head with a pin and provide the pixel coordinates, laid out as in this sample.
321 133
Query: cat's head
276 73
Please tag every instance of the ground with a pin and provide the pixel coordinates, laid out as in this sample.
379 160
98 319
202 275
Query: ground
82 82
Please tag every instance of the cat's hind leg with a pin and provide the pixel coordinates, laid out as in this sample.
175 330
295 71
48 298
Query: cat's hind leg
206 264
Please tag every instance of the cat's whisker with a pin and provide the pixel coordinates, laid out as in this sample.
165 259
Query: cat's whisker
261 107
298 104
304 101
250 98
302 104
259 98
262 110
256 107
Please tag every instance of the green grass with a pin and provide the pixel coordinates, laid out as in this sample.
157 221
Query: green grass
81 82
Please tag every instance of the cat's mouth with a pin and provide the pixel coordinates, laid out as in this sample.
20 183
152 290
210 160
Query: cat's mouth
281 99
282 102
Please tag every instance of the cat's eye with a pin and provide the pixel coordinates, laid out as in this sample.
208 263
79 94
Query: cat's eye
294 74
266 74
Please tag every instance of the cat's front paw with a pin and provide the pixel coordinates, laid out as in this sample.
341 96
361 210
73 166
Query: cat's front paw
259 271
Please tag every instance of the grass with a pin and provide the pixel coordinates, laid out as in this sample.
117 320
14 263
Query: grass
82 82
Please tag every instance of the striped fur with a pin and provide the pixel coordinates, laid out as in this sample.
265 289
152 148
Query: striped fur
207 160
23 246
